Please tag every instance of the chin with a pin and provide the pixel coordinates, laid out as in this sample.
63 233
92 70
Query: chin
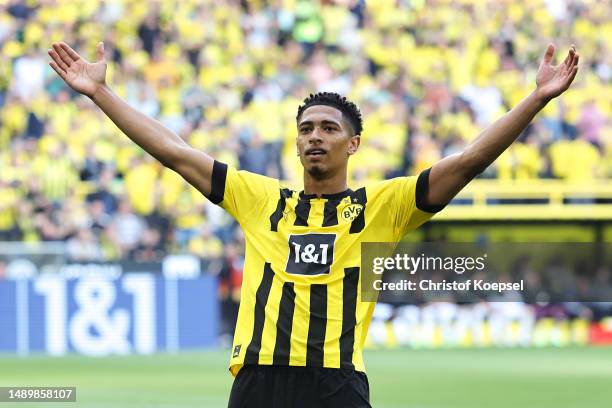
316 171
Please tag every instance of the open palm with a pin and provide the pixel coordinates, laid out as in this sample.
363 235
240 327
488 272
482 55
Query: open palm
553 80
82 76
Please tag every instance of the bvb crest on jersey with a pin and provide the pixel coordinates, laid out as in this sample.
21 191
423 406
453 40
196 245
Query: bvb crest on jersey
350 212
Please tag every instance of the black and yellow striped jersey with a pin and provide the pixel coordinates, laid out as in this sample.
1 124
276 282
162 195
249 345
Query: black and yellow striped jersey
300 302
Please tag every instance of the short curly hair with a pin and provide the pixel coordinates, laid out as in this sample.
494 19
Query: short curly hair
349 110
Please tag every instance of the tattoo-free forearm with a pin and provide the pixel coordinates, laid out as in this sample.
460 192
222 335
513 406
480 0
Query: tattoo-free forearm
159 141
496 138
452 173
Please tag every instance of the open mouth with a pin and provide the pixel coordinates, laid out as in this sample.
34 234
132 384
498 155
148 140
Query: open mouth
315 152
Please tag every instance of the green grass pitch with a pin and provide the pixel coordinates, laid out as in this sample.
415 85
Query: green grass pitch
401 378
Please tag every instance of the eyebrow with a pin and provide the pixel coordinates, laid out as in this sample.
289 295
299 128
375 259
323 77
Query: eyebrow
323 122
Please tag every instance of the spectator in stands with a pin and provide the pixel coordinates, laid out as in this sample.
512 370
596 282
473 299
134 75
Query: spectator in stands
206 245
99 219
84 247
9 198
230 281
591 123
126 229
29 75
149 31
104 192
149 248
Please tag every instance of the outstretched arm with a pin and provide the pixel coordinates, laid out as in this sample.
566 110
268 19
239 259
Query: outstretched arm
166 146
451 174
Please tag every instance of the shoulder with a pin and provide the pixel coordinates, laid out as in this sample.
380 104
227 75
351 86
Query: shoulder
406 189
392 186
229 180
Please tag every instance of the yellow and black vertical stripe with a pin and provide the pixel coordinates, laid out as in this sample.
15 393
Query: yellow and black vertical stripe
277 215
316 345
305 217
259 318
284 325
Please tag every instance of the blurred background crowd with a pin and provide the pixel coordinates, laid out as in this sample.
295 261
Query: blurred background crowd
228 77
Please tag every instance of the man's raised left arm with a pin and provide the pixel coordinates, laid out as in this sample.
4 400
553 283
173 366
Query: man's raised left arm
451 174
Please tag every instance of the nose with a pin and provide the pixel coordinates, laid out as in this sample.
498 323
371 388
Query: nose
315 136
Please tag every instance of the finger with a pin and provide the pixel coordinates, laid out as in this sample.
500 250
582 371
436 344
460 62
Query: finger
569 57
72 53
548 55
569 75
574 60
573 63
572 76
58 61
63 55
100 51
57 69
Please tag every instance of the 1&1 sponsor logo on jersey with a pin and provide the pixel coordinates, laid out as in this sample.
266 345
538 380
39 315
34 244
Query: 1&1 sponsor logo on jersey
310 254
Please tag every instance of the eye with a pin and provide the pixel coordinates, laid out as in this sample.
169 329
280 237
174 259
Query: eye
329 129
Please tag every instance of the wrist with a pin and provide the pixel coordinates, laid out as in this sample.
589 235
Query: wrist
100 92
540 98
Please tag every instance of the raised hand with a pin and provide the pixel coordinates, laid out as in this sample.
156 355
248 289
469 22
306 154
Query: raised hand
82 76
553 80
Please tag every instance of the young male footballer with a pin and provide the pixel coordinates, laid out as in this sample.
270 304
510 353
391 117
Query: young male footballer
302 325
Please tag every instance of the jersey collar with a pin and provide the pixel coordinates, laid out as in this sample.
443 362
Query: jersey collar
335 196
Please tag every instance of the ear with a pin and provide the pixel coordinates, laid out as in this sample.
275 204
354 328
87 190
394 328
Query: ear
354 144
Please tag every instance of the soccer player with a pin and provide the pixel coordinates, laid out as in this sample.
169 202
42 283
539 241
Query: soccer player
301 324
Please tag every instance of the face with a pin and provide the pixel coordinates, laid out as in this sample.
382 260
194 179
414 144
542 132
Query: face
325 141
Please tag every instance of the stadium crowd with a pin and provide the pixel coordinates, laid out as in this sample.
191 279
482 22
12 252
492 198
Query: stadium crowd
228 77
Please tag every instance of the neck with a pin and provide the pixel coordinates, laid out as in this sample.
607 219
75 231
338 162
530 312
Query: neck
332 185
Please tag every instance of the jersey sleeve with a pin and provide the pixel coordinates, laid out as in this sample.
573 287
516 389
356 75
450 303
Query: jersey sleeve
241 193
406 198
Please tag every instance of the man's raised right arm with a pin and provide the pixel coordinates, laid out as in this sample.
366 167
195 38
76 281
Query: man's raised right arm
89 79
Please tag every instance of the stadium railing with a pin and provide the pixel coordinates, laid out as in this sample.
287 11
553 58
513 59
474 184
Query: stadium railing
531 200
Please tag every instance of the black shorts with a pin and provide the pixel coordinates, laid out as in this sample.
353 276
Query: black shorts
263 386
